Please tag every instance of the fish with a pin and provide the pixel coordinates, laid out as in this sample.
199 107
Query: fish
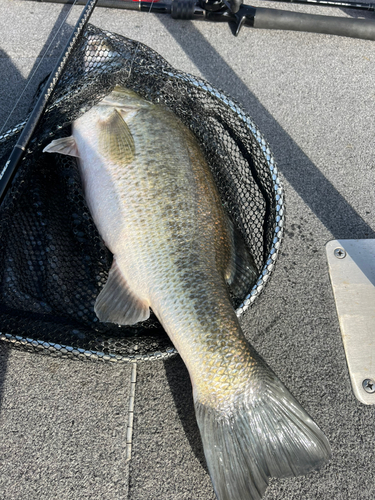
176 251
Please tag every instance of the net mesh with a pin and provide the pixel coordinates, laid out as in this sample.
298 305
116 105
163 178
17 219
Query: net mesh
53 262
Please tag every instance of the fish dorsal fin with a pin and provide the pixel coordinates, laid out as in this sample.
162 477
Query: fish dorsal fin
116 303
65 146
242 273
115 139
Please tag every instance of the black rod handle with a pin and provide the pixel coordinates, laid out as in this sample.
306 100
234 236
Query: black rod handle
8 171
293 21
335 3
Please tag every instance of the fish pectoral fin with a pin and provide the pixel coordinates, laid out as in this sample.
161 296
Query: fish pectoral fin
65 146
242 272
116 303
115 139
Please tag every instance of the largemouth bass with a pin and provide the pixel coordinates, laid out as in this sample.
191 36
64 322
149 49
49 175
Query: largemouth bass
154 201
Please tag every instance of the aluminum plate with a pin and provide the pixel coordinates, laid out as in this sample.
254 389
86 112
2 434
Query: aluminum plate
352 271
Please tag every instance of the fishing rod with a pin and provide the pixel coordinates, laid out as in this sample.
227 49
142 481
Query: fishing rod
8 171
126 4
239 15
231 11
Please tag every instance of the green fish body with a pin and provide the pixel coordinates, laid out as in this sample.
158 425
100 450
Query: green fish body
154 201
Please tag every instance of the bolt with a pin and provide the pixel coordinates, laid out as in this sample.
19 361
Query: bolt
368 385
339 253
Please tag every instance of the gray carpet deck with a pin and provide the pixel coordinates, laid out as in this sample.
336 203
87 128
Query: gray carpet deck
63 423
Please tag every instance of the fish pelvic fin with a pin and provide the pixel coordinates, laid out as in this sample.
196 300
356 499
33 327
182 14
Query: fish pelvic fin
269 435
65 146
116 303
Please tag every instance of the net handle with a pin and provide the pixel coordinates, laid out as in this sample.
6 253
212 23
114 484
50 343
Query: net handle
9 170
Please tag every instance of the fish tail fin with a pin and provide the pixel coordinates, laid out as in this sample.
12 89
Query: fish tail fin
265 434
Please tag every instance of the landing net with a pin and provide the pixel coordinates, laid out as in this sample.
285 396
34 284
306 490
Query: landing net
53 262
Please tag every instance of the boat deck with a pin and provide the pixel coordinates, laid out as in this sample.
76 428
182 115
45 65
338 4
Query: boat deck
63 423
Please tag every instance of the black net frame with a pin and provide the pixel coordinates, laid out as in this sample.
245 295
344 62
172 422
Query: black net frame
53 262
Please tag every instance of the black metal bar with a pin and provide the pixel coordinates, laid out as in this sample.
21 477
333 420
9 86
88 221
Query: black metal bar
8 171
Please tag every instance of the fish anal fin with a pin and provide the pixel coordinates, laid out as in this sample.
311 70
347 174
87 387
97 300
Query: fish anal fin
242 272
115 139
116 303
65 146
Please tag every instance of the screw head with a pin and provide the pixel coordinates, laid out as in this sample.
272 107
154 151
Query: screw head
369 385
339 253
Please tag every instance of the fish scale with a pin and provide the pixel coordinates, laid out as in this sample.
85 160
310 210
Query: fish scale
154 201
